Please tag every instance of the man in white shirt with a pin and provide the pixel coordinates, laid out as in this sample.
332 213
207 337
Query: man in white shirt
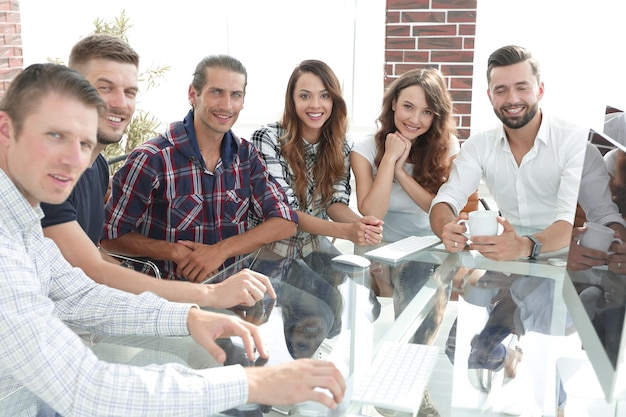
48 124
531 165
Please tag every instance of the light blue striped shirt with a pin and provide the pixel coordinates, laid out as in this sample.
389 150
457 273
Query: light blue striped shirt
39 291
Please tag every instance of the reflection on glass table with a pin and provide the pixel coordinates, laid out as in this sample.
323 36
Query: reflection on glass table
597 299
324 310
508 322
331 311
510 329
594 285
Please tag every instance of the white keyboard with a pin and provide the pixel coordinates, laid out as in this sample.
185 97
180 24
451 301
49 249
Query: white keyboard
404 247
397 377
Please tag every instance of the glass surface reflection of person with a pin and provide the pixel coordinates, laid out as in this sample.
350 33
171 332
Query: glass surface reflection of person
601 200
312 308
308 295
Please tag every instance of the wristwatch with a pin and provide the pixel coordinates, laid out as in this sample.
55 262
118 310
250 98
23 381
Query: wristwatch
536 249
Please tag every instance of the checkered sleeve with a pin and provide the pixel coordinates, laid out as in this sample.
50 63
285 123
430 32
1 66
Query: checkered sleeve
265 140
80 301
342 189
267 193
131 195
41 353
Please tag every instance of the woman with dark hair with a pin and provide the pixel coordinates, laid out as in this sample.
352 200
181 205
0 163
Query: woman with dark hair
308 153
400 168
398 171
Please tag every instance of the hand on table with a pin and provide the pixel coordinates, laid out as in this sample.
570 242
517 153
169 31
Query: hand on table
296 381
246 288
205 327
367 231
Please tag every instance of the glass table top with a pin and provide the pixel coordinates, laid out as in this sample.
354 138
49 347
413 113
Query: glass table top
500 327
505 323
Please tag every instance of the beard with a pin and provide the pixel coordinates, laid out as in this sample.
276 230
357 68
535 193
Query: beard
517 123
107 139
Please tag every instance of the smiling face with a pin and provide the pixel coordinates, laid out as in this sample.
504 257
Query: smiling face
218 103
515 94
412 115
313 104
116 82
53 149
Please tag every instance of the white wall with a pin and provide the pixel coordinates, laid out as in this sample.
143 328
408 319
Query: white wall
582 68
579 43
270 37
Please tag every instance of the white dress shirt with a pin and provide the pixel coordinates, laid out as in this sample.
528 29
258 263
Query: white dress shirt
39 291
540 191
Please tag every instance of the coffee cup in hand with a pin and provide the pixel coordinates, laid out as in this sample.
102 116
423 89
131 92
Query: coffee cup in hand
481 223
598 237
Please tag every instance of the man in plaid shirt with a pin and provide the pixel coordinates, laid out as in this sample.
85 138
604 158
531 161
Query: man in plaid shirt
185 198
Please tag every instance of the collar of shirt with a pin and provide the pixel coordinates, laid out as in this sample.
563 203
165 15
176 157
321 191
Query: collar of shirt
543 134
229 146
310 149
22 215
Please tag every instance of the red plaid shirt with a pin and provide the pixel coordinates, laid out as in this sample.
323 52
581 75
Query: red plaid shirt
165 192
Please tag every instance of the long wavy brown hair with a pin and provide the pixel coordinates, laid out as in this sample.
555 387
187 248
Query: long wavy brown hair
430 151
618 183
330 161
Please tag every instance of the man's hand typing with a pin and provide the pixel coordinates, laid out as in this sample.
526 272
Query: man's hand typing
205 327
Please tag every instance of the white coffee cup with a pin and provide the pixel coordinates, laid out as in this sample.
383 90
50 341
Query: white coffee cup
481 223
598 237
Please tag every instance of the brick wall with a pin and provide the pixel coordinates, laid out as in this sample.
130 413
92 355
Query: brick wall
434 33
11 58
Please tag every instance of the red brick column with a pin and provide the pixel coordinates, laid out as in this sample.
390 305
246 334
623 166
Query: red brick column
434 33
11 58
